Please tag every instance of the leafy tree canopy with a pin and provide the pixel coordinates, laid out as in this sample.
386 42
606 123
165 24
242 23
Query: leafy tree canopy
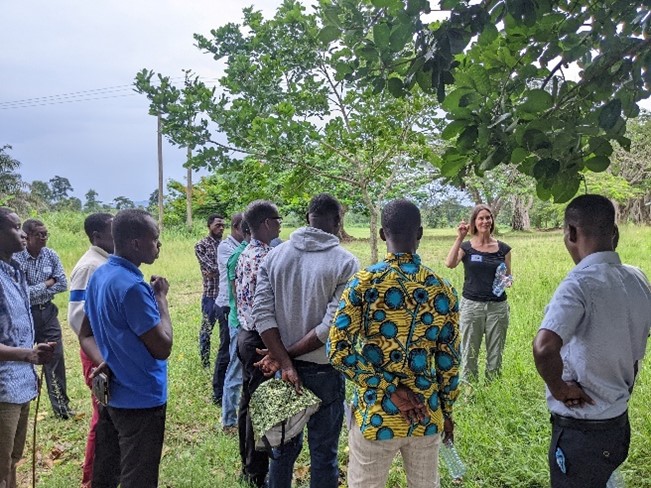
547 85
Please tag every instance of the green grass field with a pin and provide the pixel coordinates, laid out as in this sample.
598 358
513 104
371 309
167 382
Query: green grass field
502 429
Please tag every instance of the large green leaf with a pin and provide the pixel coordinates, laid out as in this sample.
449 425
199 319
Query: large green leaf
597 163
381 34
329 33
565 187
609 114
395 87
600 146
536 101
453 128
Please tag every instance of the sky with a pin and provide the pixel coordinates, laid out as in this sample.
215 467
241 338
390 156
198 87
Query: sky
108 142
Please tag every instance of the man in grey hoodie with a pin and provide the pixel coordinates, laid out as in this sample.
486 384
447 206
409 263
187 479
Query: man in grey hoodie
299 287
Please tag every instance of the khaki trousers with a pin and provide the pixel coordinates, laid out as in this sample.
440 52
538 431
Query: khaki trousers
369 461
13 432
479 319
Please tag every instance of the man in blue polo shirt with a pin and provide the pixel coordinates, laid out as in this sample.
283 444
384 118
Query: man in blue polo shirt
127 333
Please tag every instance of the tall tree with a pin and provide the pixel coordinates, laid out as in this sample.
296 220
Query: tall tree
504 72
60 187
178 110
122 203
285 102
92 203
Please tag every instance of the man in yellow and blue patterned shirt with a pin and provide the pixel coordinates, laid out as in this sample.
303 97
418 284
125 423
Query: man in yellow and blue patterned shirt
396 336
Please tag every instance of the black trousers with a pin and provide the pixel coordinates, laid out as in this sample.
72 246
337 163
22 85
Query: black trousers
255 464
589 450
128 448
48 329
223 354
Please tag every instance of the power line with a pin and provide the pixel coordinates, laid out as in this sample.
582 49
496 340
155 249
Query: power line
117 91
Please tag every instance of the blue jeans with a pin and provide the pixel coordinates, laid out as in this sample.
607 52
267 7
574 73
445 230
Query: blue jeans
323 431
232 383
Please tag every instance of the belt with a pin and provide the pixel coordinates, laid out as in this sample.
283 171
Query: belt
585 424
42 306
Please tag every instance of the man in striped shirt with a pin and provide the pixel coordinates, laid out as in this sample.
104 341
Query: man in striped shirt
46 278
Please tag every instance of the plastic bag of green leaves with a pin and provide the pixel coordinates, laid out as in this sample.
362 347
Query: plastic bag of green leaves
278 413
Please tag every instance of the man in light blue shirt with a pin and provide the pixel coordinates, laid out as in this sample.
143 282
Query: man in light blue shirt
17 355
588 347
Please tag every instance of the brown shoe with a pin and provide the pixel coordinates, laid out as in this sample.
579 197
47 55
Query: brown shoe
230 430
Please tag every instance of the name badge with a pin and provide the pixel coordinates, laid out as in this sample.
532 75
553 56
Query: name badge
476 258
47 270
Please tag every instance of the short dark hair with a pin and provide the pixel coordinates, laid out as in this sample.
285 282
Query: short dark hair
130 224
213 217
246 230
4 214
30 224
473 217
324 204
258 211
594 214
236 220
96 222
400 216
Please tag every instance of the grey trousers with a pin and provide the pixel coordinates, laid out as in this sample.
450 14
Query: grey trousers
479 319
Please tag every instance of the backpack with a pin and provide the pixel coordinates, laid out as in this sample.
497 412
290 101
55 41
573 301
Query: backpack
279 414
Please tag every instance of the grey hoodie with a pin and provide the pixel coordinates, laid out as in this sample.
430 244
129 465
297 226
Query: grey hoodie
299 286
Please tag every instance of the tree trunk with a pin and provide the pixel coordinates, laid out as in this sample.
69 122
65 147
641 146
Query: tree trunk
373 212
160 174
343 235
188 195
520 219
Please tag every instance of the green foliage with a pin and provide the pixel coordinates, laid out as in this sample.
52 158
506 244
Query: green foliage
122 203
295 123
501 70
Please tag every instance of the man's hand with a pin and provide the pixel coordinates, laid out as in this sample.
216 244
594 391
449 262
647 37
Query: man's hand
290 375
411 406
268 364
49 283
448 429
159 285
102 368
42 353
571 394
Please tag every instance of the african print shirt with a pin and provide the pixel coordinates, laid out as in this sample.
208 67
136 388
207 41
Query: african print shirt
206 252
397 324
246 279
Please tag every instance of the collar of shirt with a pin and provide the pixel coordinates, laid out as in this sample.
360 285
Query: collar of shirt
258 243
100 251
125 263
604 257
402 258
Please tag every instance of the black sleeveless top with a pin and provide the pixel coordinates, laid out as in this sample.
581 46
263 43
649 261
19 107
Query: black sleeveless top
479 272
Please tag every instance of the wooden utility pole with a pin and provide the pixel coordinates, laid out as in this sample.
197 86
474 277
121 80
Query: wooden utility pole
160 173
188 194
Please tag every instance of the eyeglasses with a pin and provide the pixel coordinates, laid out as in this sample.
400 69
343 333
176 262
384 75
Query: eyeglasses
279 219
41 235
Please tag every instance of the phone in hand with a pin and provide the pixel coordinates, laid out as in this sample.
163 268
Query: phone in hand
101 388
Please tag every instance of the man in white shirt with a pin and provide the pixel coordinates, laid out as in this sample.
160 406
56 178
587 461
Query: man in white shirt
98 229
588 347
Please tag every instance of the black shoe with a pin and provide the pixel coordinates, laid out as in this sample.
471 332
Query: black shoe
65 414
217 401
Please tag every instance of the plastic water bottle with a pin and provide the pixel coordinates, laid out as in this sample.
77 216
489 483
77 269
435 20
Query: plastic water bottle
616 480
502 280
452 460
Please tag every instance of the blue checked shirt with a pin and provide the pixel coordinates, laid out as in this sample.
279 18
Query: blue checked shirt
38 270
17 379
